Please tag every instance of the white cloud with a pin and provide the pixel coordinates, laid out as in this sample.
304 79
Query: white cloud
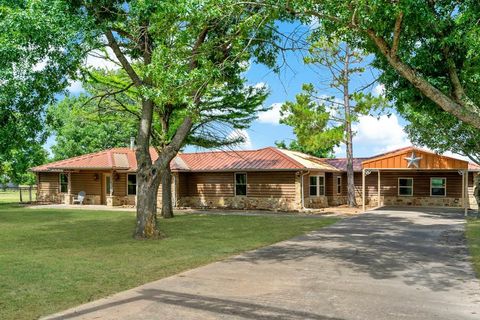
380 134
271 116
75 87
247 144
376 135
378 90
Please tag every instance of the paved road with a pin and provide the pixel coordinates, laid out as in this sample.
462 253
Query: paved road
388 264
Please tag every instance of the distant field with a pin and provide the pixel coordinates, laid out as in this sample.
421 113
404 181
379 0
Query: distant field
14 196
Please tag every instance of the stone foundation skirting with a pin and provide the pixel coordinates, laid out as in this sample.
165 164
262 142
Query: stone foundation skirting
251 203
316 202
423 201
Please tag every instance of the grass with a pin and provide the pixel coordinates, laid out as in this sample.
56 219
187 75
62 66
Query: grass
51 260
14 196
473 239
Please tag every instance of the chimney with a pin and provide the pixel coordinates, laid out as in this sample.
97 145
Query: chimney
132 143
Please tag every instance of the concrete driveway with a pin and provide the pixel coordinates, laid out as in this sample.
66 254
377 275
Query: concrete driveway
387 264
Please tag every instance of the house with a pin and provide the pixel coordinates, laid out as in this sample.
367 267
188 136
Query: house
268 178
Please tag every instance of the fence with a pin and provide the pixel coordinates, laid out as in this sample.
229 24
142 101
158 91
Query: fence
25 193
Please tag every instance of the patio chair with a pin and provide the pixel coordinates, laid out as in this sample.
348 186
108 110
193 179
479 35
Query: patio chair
79 199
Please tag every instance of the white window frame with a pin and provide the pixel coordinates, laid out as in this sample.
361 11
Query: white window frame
60 182
339 184
398 185
129 194
235 184
445 187
318 194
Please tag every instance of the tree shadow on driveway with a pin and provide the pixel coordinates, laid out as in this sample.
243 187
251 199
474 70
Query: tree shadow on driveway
418 248
222 307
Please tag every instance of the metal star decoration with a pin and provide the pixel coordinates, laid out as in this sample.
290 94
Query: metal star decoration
413 160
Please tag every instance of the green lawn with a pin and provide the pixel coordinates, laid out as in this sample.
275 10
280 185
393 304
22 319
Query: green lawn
473 238
14 196
54 259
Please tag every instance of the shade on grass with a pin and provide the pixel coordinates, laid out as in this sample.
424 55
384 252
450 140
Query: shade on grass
473 238
54 259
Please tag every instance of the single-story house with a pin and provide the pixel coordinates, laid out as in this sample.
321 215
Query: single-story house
268 178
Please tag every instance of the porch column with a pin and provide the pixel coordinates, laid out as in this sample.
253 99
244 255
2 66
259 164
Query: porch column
363 189
378 191
69 189
465 194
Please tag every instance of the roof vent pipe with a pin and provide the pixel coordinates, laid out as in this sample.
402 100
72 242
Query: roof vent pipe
132 143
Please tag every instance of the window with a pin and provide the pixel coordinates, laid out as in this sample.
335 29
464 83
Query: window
240 184
63 182
132 184
339 184
438 187
405 186
317 185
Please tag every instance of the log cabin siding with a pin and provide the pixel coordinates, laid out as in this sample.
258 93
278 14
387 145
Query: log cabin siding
215 184
221 184
421 183
85 181
48 183
271 184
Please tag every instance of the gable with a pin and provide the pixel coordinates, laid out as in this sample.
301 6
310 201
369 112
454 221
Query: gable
410 158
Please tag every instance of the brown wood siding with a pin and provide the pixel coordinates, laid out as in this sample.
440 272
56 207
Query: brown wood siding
210 184
120 184
48 183
428 161
421 183
371 184
84 181
330 184
183 184
221 184
271 184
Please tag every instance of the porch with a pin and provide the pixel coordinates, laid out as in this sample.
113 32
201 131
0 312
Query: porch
108 188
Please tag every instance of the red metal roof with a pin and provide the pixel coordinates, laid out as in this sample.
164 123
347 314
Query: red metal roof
111 159
262 159
266 159
341 163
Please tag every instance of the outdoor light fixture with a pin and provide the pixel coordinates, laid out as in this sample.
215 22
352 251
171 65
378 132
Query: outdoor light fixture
117 176
95 176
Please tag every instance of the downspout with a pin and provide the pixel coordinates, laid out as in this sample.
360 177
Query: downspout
302 195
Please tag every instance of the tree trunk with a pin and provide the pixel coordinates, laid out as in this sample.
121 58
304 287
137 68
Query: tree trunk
167 207
348 132
148 182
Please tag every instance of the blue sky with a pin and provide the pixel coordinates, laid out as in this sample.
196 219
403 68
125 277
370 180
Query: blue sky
372 134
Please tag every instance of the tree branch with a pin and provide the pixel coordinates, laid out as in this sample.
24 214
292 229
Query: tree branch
396 35
123 60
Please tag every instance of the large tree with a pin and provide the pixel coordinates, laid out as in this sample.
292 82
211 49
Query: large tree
322 119
430 45
175 55
36 57
80 126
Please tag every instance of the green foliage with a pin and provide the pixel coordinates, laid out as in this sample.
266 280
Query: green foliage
37 55
433 44
14 165
80 127
429 126
319 120
295 146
